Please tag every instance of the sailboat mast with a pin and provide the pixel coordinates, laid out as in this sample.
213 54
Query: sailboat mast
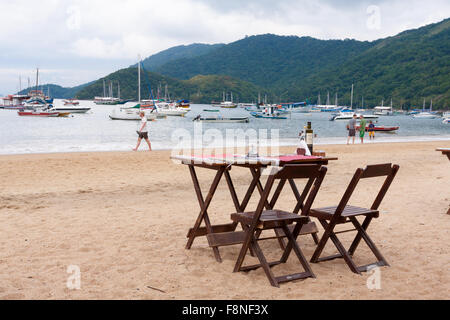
328 98
318 100
336 100
104 89
351 99
118 89
139 80
37 78
431 105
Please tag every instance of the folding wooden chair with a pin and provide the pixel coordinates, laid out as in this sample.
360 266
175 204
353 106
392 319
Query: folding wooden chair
329 217
256 221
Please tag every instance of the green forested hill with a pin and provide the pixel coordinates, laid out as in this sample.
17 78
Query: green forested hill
407 68
57 91
268 60
200 89
176 53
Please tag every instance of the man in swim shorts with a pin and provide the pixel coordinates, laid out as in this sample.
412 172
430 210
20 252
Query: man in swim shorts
351 129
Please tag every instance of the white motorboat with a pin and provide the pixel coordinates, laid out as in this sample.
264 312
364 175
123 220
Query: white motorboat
71 109
349 115
171 109
131 114
221 119
425 115
446 121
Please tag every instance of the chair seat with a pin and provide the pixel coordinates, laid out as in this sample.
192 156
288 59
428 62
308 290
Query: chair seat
327 213
269 218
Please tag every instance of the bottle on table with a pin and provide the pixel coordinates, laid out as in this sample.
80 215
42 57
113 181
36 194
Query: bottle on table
309 133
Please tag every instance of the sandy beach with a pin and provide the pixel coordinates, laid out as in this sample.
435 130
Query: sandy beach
122 218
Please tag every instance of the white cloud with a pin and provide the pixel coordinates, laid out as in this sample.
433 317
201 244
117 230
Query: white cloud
102 36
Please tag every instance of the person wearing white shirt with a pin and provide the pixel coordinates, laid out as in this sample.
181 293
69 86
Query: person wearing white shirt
143 132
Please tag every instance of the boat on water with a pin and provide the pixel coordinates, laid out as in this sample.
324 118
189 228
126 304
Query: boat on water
446 121
171 109
382 110
426 114
40 113
110 100
221 119
349 115
71 109
14 101
71 102
183 104
210 110
227 103
270 112
131 114
381 128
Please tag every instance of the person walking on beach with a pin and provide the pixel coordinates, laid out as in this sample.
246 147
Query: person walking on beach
351 129
371 130
143 132
362 128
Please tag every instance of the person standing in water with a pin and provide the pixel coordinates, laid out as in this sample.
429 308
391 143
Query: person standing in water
371 130
351 129
143 132
362 128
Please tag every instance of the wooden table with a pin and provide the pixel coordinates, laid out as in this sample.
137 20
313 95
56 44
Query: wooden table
226 234
445 151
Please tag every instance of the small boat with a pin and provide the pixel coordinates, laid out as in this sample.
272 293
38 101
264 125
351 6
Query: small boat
71 102
349 115
39 113
266 116
183 103
210 110
71 109
171 109
131 114
426 114
270 112
381 128
220 119
228 104
446 121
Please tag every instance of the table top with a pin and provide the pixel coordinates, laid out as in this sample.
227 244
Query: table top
237 159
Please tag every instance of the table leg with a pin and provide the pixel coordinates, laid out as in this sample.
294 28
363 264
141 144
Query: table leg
204 204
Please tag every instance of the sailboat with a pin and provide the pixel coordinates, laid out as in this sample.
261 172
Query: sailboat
227 103
424 114
133 113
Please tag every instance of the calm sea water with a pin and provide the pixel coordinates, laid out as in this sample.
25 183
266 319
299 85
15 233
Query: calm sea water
94 131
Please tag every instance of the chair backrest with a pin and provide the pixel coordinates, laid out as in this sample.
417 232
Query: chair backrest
313 172
370 171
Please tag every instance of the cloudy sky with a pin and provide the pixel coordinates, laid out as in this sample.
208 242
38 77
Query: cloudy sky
76 41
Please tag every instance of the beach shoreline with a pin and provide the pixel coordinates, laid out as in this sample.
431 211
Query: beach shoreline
122 218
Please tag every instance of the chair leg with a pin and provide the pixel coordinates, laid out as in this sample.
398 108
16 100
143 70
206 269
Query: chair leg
342 252
294 245
358 237
369 242
262 259
328 229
